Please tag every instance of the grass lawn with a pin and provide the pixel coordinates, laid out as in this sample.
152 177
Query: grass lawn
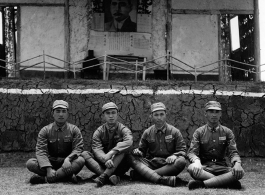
14 179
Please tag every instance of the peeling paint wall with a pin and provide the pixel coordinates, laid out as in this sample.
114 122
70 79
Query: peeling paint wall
26 107
41 2
42 31
213 4
79 28
195 42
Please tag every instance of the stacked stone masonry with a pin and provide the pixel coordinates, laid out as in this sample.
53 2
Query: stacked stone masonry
25 107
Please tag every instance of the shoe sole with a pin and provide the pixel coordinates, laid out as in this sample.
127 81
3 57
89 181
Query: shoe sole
114 179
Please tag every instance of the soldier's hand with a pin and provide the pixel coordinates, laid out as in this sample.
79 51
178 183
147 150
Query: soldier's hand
238 171
67 166
109 164
171 159
137 152
197 168
51 175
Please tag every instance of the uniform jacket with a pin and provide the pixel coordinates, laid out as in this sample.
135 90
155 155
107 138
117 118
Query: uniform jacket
105 139
168 142
213 145
54 143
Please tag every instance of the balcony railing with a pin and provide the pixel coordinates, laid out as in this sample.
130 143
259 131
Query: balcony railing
135 66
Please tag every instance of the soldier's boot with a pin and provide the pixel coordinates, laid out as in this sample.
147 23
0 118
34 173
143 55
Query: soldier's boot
91 164
235 185
172 169
168 181
101 180
37 179
203 175
134 175
223 180
194 184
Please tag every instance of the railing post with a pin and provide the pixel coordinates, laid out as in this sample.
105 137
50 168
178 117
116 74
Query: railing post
136 69
144 69
15 65
104 66
195 73
74 69
44 74
168 64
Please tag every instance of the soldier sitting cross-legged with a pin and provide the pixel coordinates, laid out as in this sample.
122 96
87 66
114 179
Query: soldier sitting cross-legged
58 149
209 146
110 144
161 153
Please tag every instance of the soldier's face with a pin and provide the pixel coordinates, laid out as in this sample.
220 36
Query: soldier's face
60 115
120 9
159 117
213 116
111 116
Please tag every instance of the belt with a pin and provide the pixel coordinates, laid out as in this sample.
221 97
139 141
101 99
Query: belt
213 160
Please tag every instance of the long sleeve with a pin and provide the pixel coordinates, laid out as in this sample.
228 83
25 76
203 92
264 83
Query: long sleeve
42 148
193 152
180 145
232 149
127 140
97 146
78 144
143 145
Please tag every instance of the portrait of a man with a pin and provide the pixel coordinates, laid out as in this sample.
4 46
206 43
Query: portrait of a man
120 16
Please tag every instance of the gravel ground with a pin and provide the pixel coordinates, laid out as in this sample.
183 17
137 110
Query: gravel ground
15 180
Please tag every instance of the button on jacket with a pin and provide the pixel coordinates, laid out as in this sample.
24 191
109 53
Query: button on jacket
118 138
211 145
54 142
162 144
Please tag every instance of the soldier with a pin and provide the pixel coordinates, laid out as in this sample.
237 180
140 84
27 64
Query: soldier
58 149
110 143
207 153
161 153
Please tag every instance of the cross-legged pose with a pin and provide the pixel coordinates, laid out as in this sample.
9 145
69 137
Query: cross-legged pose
58 149
207 152
110 144
161 153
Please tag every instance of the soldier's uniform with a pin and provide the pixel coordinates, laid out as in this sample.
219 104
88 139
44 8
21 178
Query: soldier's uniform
54 144
117 138
211 146
156 145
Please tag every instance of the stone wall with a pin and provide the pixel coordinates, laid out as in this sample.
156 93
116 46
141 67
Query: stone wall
26 107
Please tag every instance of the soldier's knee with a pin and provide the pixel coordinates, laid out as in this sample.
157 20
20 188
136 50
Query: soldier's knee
31 164
80 160
78 164
86 155
180 162
190 168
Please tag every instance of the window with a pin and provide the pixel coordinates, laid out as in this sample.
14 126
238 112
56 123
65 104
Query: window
234 33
